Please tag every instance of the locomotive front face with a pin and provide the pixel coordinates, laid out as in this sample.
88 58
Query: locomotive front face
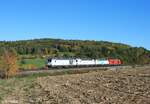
49 62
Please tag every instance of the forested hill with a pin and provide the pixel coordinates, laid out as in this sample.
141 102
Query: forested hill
78 48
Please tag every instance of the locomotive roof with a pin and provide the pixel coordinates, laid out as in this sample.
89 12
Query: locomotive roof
69 58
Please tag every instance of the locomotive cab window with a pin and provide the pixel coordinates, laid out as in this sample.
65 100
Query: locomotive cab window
49 60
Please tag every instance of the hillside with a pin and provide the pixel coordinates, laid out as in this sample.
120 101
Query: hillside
78 48
126 86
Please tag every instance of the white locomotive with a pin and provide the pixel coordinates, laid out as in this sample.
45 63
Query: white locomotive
55 62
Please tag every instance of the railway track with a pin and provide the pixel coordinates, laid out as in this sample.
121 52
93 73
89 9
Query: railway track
55 71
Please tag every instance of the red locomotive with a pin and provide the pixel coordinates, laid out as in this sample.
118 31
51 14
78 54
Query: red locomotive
114 62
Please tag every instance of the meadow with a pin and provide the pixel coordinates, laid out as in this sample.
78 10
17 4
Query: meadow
32 63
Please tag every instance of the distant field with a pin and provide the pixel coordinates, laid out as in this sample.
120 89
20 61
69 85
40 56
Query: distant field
32 63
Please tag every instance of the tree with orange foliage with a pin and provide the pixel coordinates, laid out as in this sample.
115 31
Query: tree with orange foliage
8 63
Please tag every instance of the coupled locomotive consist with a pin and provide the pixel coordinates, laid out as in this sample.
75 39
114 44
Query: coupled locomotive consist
56 62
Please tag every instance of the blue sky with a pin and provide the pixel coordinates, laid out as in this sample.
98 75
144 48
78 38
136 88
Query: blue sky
125 21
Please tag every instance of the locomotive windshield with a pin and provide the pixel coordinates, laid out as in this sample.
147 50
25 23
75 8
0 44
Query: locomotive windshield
49 60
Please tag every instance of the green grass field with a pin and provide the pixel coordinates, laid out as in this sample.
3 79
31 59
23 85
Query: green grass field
32 63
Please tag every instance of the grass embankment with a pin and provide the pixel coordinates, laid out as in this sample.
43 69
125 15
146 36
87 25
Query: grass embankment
7 86
32 63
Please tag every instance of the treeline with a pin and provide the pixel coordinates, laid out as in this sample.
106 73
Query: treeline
78 48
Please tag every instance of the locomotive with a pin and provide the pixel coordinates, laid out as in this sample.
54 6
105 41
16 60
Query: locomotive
75 62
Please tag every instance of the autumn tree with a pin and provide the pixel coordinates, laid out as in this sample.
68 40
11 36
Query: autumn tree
8 63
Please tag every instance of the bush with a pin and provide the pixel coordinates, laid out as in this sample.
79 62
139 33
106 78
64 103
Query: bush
31 66
23 61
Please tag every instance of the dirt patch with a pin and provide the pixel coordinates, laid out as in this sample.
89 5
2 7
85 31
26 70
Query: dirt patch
101 87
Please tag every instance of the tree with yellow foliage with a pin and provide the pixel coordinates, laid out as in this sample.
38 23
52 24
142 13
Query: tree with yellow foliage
8 63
